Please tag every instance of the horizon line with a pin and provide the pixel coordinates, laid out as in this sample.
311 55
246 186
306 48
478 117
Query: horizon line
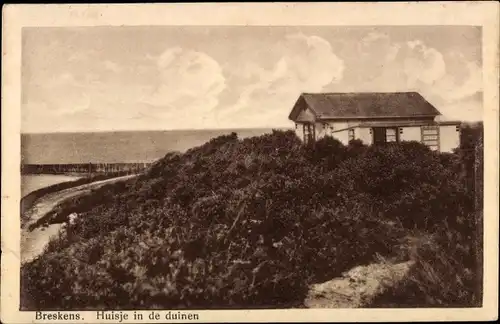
157 130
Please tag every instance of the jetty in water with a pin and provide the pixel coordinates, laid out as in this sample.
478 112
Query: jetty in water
84 168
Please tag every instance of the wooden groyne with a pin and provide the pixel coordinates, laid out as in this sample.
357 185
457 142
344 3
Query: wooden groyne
84 168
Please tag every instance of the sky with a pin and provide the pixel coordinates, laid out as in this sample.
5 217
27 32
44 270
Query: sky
194 77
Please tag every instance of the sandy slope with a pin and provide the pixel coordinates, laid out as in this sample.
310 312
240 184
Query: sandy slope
33 242
358 286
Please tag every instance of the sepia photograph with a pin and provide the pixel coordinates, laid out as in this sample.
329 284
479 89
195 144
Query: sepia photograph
250 167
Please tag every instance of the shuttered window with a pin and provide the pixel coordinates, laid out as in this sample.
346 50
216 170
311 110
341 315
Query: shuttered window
390 135
309 132
351 134
430 136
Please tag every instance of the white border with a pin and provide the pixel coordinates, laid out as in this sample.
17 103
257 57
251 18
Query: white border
478 13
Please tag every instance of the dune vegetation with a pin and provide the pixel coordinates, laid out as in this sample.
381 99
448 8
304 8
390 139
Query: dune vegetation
253 223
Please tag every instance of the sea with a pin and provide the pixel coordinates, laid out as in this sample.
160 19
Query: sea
110 147
32 182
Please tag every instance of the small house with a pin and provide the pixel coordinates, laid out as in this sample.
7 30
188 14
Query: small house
374 118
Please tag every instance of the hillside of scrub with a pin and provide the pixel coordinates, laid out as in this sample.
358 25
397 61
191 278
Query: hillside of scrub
253 223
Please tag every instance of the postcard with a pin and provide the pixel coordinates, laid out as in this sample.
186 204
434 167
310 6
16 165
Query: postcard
259 162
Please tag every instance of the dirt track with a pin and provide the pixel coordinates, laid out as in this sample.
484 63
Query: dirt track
358 286
33 242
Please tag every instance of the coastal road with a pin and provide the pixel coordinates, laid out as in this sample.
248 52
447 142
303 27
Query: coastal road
34 241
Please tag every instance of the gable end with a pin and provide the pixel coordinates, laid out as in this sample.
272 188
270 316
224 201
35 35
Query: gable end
299 108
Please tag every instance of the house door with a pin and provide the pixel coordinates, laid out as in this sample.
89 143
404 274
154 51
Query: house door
309 132
379 135
382 135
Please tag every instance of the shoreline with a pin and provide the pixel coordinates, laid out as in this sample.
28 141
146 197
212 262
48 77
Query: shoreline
68 174
30 199
34 241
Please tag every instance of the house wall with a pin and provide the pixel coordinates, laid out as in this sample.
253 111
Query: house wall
340 125
329 129
323 130
299 131
363 134
411 133
342 136
449 138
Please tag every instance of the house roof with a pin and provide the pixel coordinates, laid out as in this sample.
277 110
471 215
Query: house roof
364 105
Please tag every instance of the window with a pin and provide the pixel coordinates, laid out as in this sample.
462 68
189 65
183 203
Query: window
309 133
327 129
390 135
330 130
383 135
351 134
430 136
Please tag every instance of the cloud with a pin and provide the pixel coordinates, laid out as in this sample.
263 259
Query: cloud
59 80
112 66
81 103
60 95
34 116
378 48
466 109
421 63
188 85
305 64
247 82
77 57
181 91
80 55
446 79
465 82
380 64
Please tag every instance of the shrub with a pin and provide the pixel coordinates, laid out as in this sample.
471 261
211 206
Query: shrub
252 223
445 273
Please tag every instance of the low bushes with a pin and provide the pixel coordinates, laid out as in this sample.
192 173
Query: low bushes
446 273
245 223
449 262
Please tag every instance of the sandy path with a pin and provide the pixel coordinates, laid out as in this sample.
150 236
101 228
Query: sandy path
358 286
33 242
